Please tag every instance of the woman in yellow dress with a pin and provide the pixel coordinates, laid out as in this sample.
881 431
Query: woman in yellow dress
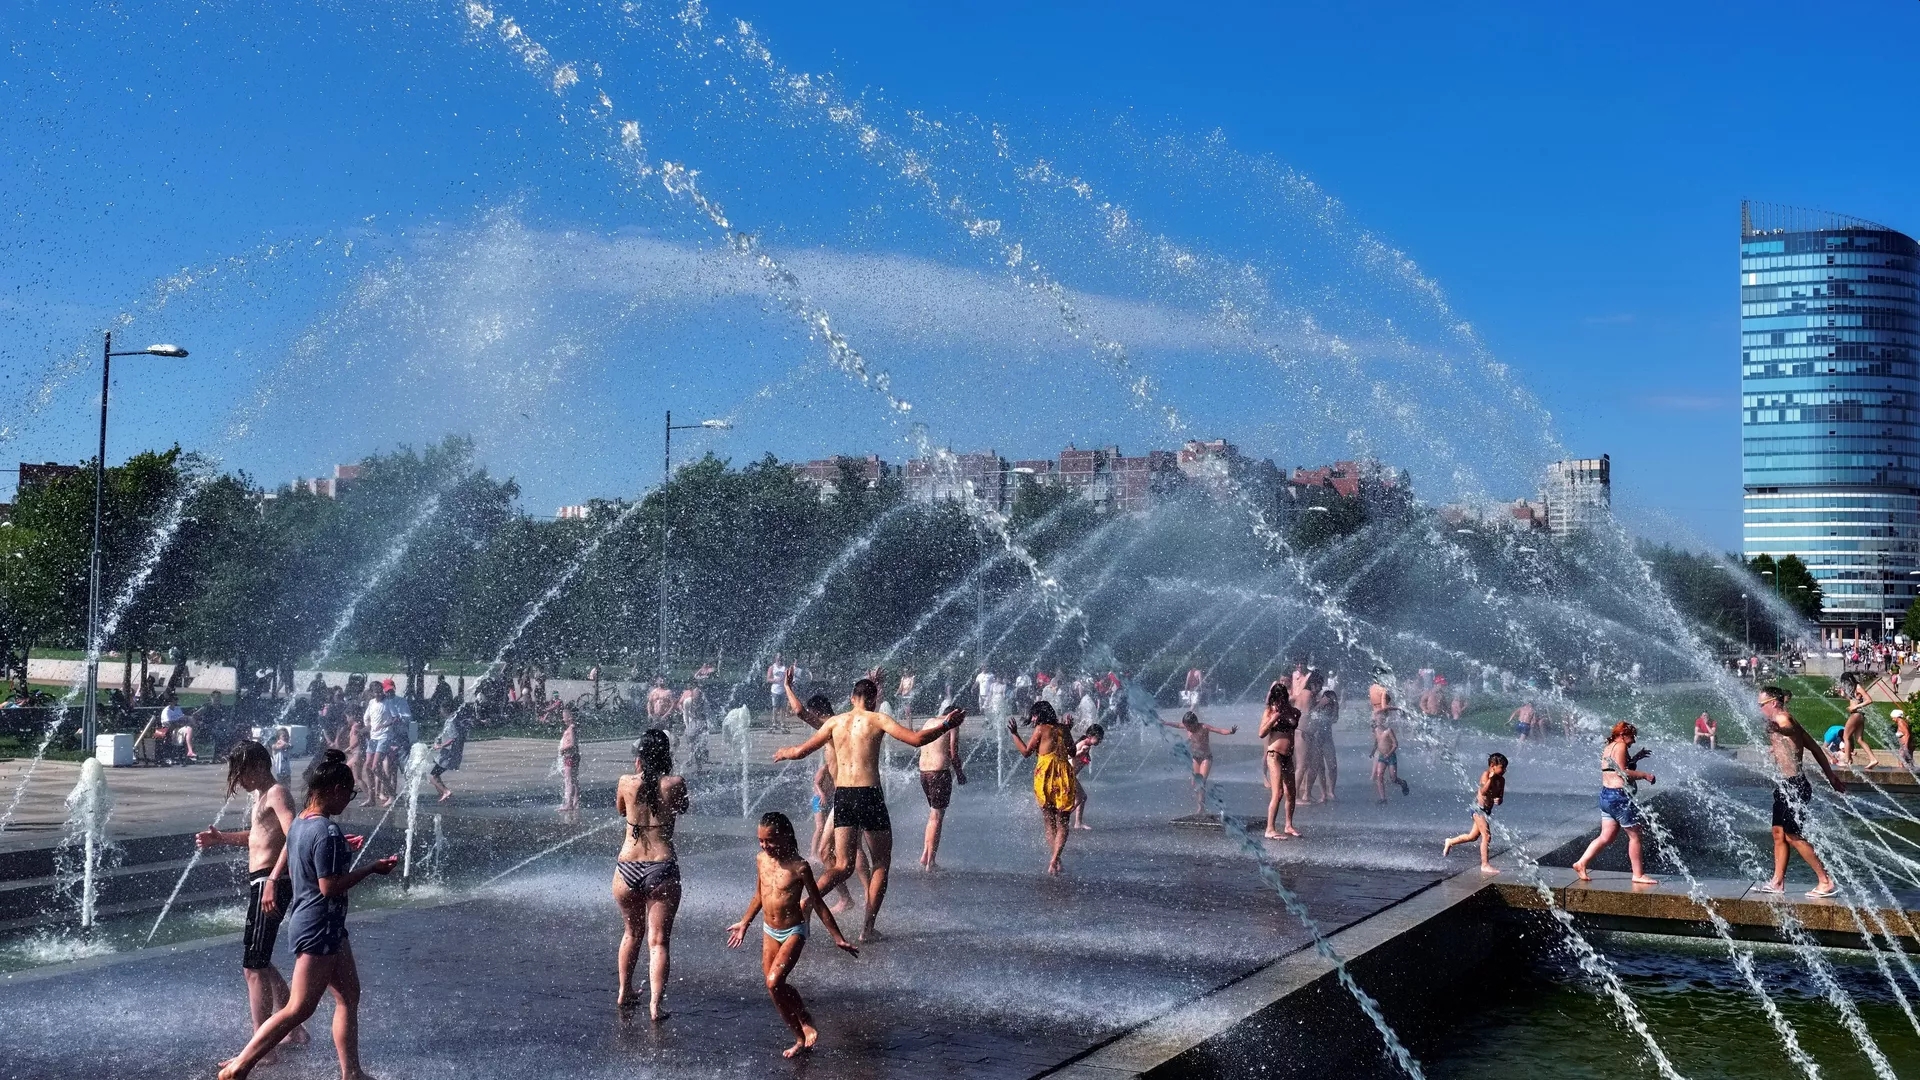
1053 784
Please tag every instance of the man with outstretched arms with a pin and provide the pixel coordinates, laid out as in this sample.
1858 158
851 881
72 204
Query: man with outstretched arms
859 805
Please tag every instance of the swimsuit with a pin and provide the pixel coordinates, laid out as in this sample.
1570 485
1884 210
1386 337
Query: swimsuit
938 787
1286 760
1053 784
780 937
263 929
645 877
862 807
1389 760
1790 802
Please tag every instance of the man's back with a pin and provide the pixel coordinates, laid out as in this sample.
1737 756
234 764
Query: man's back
856 737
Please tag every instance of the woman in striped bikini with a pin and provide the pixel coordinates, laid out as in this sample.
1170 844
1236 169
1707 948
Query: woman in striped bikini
646 878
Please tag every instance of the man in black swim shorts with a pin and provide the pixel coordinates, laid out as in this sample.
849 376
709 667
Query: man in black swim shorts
859 806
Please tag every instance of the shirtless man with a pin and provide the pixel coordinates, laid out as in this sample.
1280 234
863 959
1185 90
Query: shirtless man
940 769
859 806
1789 743
269 882
813 713
1524 719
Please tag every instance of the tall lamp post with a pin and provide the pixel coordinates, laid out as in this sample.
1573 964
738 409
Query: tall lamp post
90 719
666 475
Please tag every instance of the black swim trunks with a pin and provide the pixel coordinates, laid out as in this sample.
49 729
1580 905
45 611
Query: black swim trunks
938 787
861 808
1789 808
1285 760
263 929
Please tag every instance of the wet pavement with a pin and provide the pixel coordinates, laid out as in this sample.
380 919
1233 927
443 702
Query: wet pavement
988 968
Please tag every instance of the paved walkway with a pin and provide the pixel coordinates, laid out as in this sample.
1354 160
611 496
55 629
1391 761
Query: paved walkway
989 969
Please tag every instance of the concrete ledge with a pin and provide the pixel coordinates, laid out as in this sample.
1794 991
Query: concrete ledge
1614 896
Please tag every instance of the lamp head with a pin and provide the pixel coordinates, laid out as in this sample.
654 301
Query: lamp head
174 351
723 425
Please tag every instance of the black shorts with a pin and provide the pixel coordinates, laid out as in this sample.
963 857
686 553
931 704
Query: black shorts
938 787
1788 809
256 946
861 808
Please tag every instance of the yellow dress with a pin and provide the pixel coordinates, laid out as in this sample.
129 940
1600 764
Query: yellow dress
1053 783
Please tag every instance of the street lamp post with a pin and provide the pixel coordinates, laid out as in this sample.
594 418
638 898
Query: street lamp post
666 475
90 719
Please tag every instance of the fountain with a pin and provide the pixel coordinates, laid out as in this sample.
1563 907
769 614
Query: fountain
1062 247
85 842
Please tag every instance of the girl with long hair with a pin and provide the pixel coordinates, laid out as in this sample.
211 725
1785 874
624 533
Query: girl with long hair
646 878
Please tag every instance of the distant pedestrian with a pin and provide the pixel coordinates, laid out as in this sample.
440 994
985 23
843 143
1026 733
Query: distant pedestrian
1706 730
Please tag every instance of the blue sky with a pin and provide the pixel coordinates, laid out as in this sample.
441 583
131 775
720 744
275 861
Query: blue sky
412 231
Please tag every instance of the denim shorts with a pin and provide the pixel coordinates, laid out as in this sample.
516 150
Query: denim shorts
1615 804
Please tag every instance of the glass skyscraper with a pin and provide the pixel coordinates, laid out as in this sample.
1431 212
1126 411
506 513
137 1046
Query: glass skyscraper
1829 433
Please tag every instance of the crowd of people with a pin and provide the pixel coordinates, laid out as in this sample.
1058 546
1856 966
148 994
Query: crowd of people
301 864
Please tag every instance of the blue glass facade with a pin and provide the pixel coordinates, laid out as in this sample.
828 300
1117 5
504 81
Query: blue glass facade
1830 405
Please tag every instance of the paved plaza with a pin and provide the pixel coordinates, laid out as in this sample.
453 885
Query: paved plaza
987 969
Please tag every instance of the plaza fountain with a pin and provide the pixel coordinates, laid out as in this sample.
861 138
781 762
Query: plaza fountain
1077 257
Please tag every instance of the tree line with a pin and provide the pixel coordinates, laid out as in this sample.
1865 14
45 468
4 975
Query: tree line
435 561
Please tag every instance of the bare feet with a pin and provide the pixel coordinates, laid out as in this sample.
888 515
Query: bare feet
1292 832
1580 871
1486 869
839 905
445 796
1083 826
298 1036
659 1014
1271 835
1053 867
1446 848
1642 879
228 1072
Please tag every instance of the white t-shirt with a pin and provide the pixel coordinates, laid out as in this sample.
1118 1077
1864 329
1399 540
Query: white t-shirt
776 679
379 717
174 716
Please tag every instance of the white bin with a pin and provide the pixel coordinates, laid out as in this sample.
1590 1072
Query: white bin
114 751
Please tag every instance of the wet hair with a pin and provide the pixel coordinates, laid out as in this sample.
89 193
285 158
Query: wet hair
820 705
245 757
329 773
1191 720
1315 680
780 828
1622 730
1097 732
655 754
866 693
1497 759
1041 712
1776 694
1277 695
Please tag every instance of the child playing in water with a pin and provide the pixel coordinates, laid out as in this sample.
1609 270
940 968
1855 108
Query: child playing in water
1386 754
784 897
569 756
1200 749
1493 790
1083 757
1054 786
318 855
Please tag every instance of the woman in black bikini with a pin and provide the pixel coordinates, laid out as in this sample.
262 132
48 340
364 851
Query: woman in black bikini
1278 725
646 878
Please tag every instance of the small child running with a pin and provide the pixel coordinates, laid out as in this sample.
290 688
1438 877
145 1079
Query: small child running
1083 757
1493 790
1200 749
785 895
1386 754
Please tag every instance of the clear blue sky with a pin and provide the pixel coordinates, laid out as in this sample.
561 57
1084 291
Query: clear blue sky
1568 176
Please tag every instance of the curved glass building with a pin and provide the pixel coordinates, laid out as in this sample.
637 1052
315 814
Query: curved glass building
1830 437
